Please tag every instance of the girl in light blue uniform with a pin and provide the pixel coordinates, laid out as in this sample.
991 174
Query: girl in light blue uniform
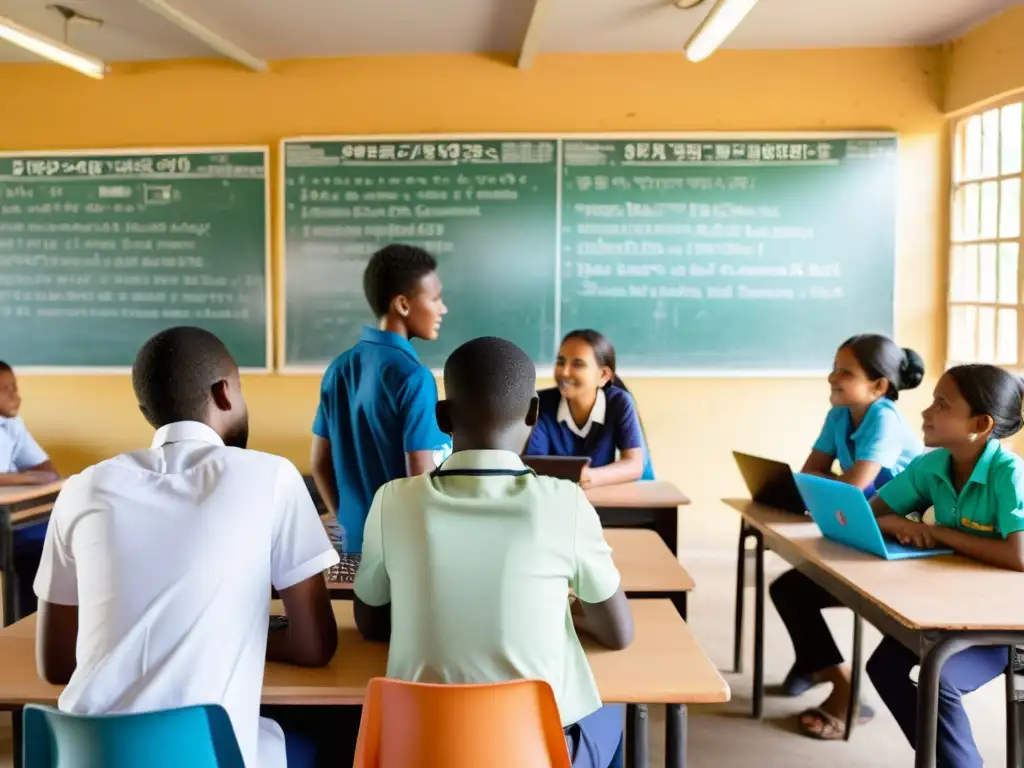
869 438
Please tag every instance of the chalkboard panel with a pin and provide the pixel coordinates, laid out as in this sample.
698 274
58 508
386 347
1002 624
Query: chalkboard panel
696 255
101 249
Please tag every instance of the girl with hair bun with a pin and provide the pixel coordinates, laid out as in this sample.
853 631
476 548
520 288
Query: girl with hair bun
977 490
865 433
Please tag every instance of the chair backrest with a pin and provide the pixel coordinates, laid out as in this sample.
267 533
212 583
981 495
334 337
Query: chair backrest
195 737
504 725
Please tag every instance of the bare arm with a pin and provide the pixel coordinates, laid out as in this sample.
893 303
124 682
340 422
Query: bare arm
819 463
419 463
311 637
41 474
628 468
322 466
56 637
609 622
373 621
1005 553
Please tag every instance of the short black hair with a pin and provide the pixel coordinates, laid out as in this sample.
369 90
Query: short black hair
991 391
883 358
490 380
174 371
393 271
5 368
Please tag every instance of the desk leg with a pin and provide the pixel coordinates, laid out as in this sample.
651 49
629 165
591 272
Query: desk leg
1012 726
741 581
637 723
932 661
675 736
16 740
854 707
759 626
10 576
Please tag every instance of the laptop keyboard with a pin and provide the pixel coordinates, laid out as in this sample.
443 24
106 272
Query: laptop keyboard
345 571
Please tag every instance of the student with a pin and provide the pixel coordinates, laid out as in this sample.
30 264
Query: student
158 564
376 418
977 490
872 443
22 462
590 412
472 565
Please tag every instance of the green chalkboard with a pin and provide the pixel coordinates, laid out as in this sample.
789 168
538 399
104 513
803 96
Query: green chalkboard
99 250
696 255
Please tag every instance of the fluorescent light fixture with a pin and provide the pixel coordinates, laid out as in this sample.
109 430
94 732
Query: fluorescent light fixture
716 27
51 49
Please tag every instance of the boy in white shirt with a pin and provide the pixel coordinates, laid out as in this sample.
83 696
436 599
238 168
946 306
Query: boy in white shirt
468 569
159 564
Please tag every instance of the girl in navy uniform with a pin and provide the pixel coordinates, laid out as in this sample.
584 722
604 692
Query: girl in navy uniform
591 413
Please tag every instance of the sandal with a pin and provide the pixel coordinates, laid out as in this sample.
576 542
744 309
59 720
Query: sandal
831 727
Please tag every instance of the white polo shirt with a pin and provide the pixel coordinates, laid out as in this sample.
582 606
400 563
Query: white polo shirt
18 450
170 555
476 561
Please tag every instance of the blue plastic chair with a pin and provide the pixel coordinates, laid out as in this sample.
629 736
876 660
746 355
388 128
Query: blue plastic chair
195 737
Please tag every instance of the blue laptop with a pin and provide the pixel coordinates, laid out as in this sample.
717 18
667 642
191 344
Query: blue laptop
844 515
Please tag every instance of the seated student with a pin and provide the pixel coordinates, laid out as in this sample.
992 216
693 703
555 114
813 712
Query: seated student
22 462
158 564
977 490
472 564
376 421
591 413
872 442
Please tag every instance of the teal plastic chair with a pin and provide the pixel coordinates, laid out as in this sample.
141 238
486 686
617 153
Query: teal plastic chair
194 737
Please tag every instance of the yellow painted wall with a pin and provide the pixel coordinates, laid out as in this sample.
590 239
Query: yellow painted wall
986 63
693 424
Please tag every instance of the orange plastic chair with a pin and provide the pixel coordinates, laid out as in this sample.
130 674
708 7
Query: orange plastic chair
419 725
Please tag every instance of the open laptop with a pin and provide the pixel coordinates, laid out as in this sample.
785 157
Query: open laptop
844 515
562 467
770 482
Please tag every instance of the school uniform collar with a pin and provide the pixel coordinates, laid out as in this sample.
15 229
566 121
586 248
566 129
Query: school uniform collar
979 474
182 431
476 461
387 339
597 415
879 404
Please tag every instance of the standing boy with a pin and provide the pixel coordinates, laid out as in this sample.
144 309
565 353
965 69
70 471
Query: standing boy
158 564
376 419
472 564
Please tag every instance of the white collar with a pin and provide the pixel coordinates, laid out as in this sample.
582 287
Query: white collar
180 431
485 460
597 415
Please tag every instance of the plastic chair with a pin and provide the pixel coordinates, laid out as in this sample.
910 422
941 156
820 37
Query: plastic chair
196 737
419 725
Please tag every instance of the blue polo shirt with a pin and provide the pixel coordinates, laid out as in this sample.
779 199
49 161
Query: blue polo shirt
613 426
19 452
883 437
377 403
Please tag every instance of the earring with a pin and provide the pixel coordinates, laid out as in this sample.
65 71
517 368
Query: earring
972 437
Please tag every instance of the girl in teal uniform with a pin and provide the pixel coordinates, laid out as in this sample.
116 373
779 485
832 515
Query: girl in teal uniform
872 443
976 488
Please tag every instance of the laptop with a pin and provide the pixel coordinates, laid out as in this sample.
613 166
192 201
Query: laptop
844 515
770 482
562 467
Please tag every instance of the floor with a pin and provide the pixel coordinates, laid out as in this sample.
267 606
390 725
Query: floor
725 736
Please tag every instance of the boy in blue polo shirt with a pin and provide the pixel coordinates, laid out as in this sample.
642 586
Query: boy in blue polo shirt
376 419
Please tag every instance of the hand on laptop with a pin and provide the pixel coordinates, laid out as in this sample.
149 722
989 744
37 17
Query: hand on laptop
907 532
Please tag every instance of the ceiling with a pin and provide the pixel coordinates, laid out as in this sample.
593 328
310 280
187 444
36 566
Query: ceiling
278 29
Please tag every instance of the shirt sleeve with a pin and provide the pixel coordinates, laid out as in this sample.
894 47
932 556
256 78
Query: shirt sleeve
372 584
322 422
27 452
628 433
57 578
301 547
880 438
826 442
596 577
417 403
908 491
1010 498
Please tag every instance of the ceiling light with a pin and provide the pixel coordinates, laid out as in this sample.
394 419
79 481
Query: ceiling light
51 49
716 27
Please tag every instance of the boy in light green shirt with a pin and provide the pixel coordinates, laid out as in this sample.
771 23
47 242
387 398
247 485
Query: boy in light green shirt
469 569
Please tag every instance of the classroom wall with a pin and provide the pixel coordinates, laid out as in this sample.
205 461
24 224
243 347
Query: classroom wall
986 63
693 424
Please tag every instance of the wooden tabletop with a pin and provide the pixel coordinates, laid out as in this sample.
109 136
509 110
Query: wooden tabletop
644 494
945 592
645 563
664 665
18 494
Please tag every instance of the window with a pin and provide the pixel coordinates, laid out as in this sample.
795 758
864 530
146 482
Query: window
986 302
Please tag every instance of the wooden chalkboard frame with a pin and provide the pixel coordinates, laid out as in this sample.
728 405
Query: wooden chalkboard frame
64 370
559 137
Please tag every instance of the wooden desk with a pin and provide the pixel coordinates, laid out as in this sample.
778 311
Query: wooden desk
936 606
664 665
648 569
650 504
20 506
